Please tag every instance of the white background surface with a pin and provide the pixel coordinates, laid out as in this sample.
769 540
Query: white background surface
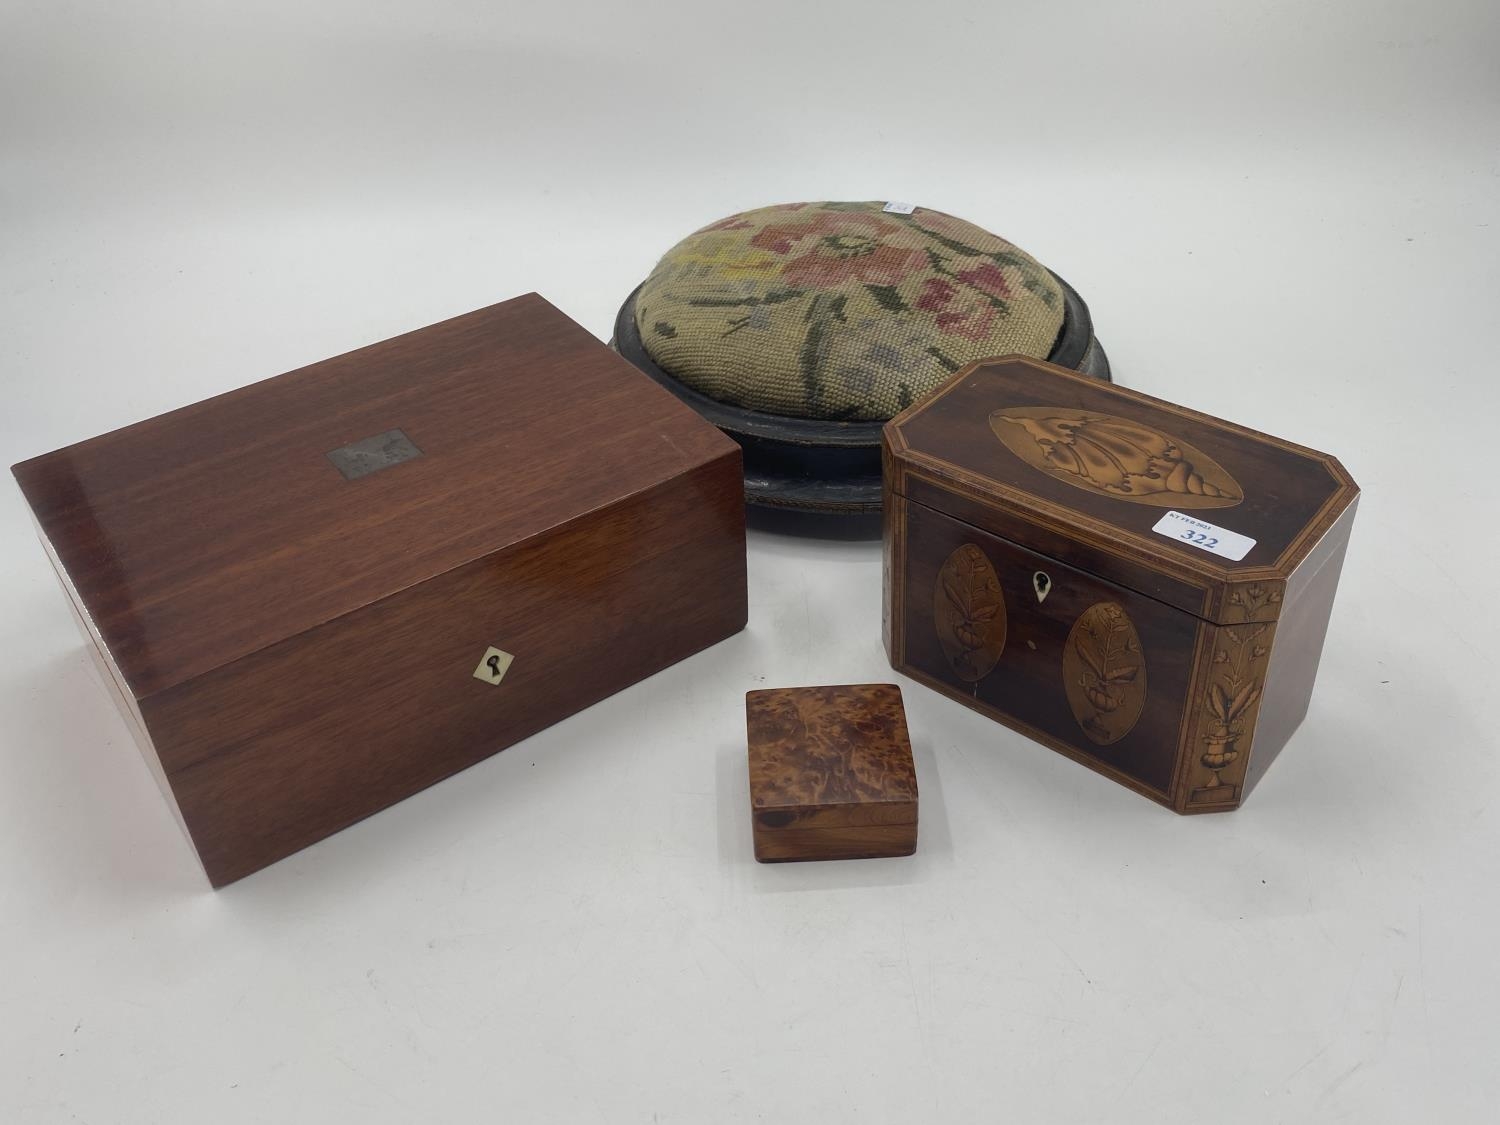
1282 213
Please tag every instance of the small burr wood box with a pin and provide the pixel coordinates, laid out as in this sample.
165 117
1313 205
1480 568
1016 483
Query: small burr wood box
320 593
1139 586
831 774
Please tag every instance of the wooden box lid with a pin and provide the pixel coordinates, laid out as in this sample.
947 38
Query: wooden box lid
1082 471
214 531
830 757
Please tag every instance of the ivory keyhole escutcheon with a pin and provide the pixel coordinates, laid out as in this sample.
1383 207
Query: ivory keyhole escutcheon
1041 584
493 665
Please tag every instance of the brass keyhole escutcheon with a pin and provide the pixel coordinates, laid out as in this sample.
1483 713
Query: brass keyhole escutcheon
1041 584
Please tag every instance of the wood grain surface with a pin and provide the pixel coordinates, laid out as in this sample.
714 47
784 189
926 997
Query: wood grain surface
831 774
1176 672
1028 686
1047 483
299 647
213 531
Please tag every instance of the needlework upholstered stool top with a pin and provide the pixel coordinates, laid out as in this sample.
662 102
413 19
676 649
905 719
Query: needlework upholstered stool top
800 329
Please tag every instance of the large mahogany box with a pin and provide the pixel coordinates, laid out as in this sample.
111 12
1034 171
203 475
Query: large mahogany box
1139 586
320 593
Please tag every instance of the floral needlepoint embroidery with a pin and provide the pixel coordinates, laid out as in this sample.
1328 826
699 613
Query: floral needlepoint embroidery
777 309
936 293
989 278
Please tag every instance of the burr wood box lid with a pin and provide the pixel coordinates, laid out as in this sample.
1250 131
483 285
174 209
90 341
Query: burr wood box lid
831 773
1189 509
328 589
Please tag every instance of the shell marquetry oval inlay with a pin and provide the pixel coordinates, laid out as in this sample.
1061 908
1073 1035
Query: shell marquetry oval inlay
1115 457
968 610
1104 673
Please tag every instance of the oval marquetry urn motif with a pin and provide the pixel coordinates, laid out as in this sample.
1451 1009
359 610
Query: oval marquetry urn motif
968 611
1104 673
1115 457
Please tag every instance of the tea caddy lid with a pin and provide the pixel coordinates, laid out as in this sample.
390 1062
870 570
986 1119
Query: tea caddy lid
1215 518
